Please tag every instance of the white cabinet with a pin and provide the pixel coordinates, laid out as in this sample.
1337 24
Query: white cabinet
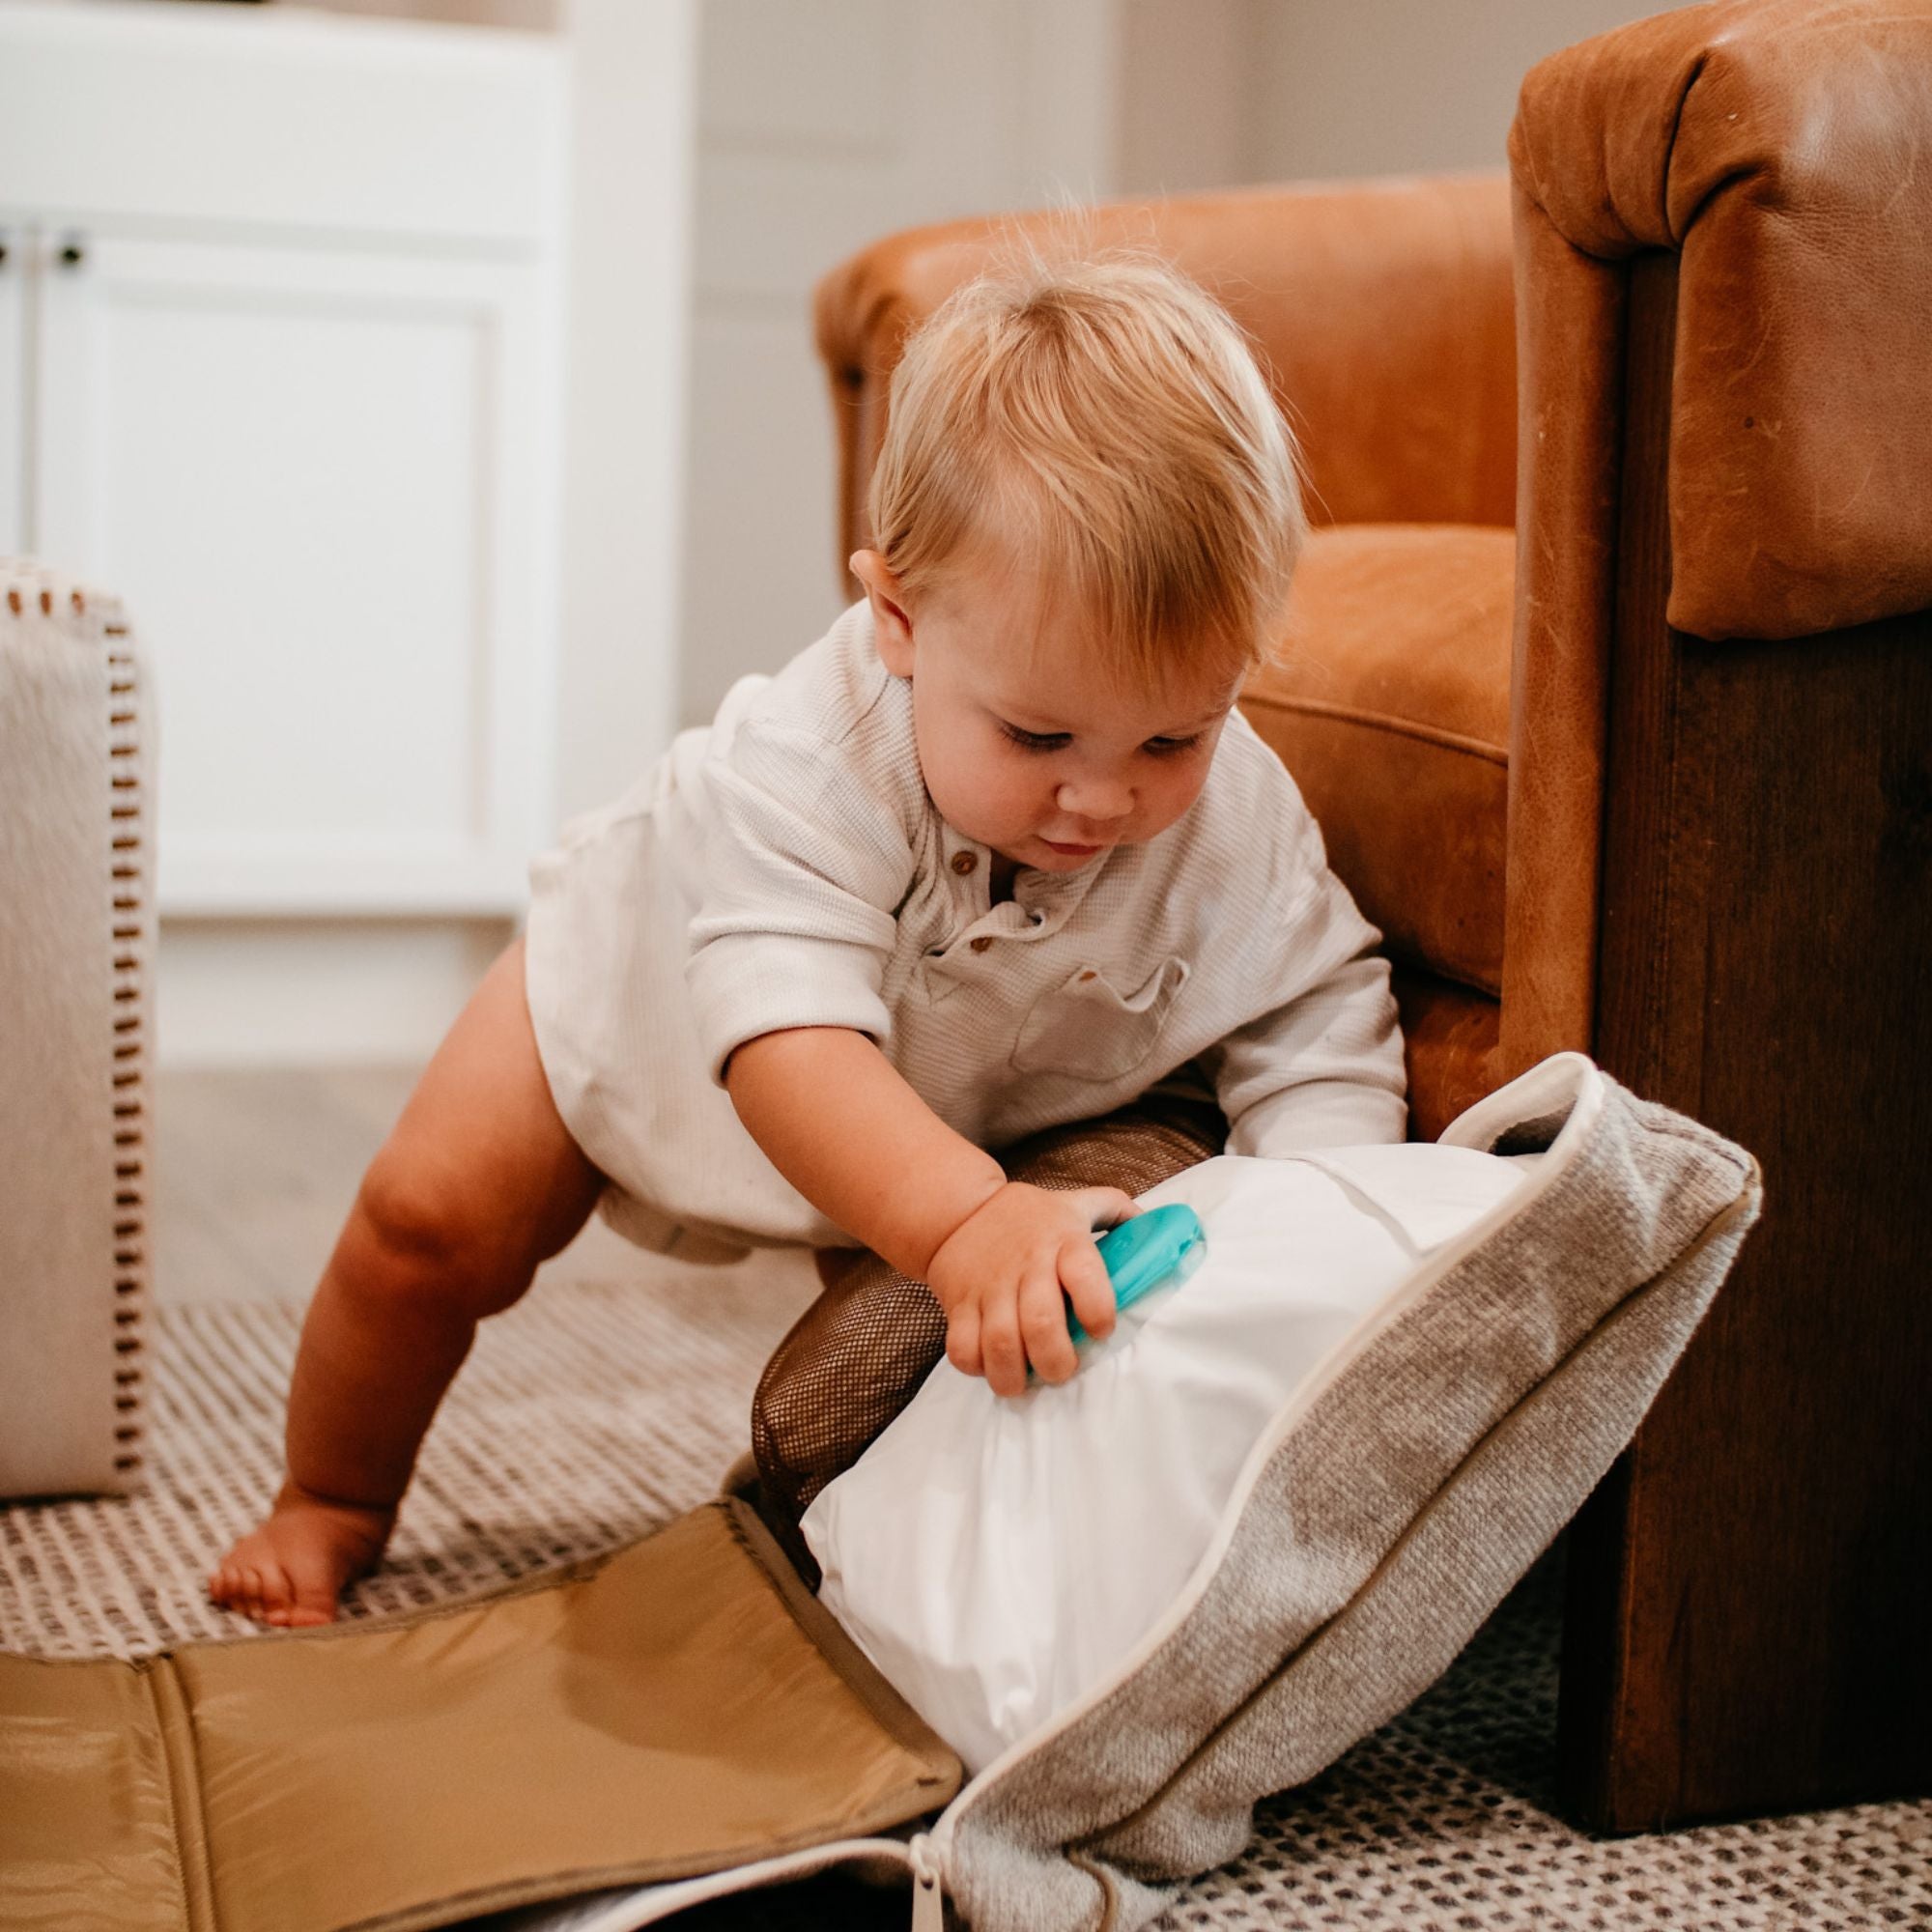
308 470
306 429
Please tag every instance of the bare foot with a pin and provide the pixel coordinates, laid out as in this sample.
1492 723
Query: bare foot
289 1570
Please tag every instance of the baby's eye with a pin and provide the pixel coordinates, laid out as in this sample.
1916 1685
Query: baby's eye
1033 741
1165 748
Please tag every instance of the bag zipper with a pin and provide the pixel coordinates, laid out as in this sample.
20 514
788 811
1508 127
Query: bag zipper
929 1884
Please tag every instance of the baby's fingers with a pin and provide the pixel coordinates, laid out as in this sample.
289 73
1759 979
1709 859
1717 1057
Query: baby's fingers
962 1338
1106 1206
1003 1352
1043 1323
1083 1276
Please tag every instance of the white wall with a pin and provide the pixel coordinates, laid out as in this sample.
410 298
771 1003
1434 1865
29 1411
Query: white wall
1182 121
1402 86
822 125
633 93
1220 92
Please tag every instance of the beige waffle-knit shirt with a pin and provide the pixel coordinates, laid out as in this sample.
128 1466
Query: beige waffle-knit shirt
783 867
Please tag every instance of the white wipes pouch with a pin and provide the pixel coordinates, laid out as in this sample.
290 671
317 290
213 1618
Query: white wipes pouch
996 1556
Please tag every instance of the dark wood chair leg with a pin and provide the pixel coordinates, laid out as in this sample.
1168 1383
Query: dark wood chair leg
1747 1627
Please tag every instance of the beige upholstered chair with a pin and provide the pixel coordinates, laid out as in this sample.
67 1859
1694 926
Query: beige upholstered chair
77 945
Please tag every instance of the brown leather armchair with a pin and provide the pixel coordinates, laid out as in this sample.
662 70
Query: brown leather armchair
1608 678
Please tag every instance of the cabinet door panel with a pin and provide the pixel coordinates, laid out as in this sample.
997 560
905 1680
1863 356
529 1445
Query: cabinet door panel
314 477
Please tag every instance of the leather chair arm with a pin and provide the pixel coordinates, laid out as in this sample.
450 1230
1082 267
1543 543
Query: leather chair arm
1776 149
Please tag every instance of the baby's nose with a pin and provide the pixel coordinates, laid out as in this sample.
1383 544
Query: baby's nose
1095 800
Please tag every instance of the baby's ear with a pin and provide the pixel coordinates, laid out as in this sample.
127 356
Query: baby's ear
892 628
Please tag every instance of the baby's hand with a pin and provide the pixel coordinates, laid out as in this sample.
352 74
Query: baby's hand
1000 1275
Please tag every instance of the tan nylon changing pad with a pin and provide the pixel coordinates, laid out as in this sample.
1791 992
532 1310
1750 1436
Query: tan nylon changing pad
684 1706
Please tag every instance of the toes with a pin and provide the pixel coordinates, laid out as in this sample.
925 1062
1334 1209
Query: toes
225 1582
296 1588
272 1600
231 1584
278 1593
260 1586
227 1586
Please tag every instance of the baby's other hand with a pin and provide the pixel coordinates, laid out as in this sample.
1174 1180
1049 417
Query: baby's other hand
1001 1273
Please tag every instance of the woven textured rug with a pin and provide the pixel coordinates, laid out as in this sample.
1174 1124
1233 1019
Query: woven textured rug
589 1414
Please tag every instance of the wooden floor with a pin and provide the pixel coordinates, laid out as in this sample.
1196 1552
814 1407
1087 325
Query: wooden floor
253 1172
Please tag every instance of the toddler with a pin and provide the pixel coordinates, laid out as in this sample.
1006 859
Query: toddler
995 853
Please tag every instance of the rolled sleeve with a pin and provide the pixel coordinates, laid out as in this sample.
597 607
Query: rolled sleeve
806 864
1325 1072
743 984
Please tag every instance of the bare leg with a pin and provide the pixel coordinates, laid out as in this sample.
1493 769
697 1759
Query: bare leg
478 1182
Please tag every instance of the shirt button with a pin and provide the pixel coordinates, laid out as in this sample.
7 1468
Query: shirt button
964 861
980 944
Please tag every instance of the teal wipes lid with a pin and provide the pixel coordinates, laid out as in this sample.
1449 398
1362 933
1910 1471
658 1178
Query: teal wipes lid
1161 1246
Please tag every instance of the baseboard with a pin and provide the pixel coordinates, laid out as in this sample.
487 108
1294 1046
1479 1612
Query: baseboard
245 992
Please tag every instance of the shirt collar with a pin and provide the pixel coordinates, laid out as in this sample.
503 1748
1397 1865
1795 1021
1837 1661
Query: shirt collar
1048 892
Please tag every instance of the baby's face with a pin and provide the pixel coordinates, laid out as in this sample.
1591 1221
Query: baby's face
1025 743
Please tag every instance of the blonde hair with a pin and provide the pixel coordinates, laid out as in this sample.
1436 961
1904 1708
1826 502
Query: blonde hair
1106 417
